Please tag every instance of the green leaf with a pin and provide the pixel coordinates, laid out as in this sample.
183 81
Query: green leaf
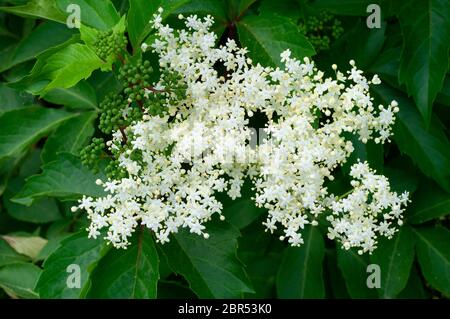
45 36
77 250
395 257
365 44
203 7
443 96
140 14
424 62
301 271
104 83
71 136
429 202
12 99
8 255
286 8
429 149
261 254
402 175
19 280
414 288
370 152
64 178
433 250
99 14
343 7
241 212
238 8
80 96
35 80
336 280
209 265
354 270
42 211
45 9
267 36
174 290
128 273
68 66
25 126
26 245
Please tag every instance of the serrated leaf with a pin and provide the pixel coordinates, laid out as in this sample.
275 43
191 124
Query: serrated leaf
429 202
8 255
99 14
354 270
128 273
301 271
433 250
35 80
429 149
22 127
395 257
424 62
45 9
78 250
209 265
26 245
80 96
69 66
45 36
64 178
19 280
70 136
267 36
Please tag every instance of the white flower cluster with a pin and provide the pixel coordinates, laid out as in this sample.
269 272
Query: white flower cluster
354 217
202 145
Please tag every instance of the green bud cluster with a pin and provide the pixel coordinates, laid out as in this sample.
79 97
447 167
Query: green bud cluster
110 44
116 112
175 91
119 110
113 170
135 78
91 154
321 30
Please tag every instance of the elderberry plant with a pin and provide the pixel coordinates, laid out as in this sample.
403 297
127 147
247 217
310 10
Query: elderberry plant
224 149
206 128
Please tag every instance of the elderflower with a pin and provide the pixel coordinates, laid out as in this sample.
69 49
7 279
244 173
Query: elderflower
177 161
369 210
